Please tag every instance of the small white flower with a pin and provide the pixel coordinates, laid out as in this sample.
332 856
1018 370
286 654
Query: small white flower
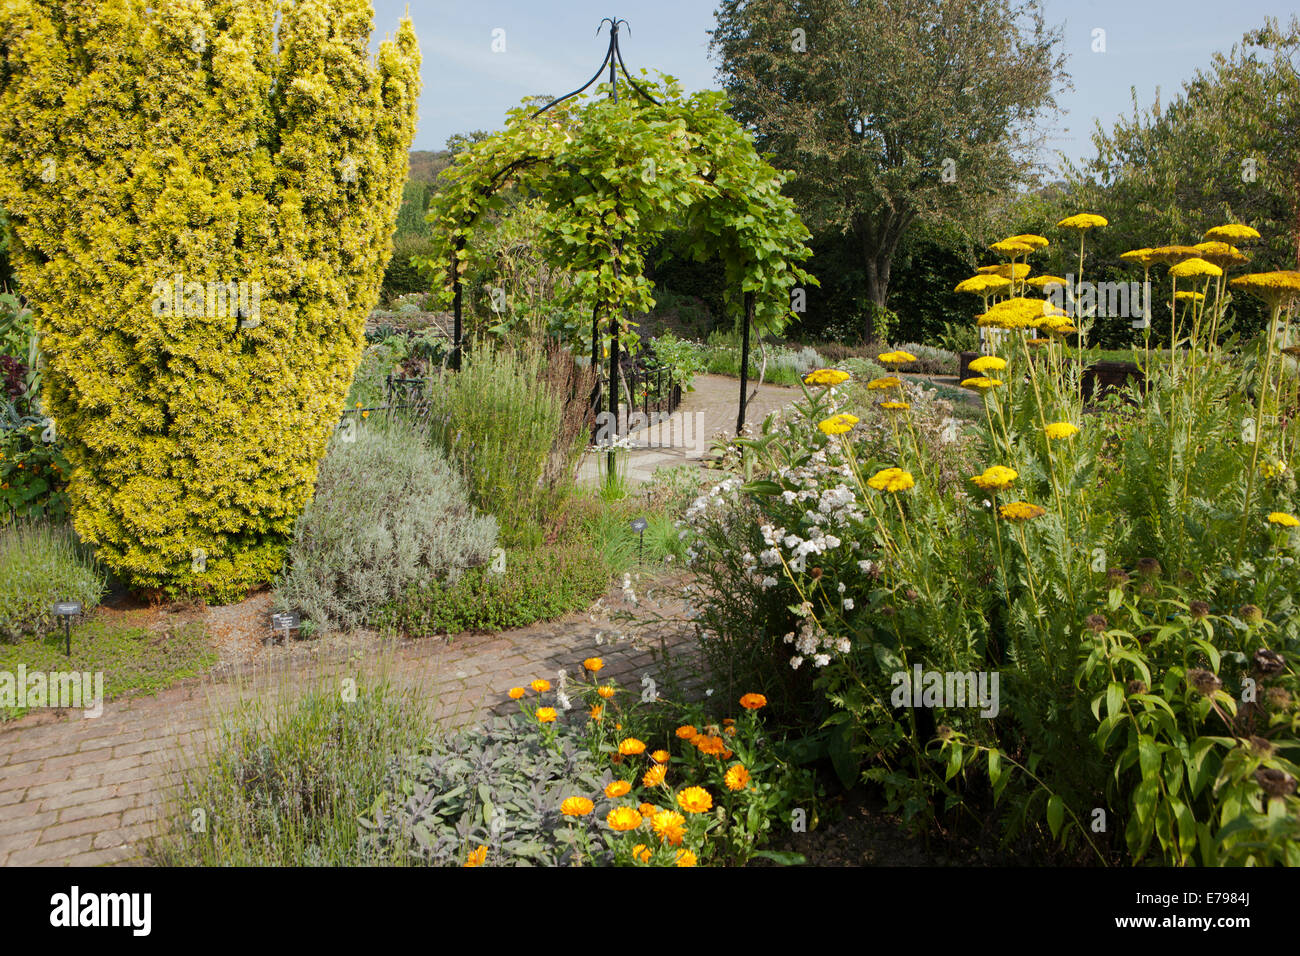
848 604
821 660
795 662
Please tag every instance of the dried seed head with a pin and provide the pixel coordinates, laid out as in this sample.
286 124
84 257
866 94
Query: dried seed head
889 610
1266 663
1096 623
1199 610
1137 687
1148 568
816 573
1203 682
911 594
1278 698
943 731
1251 614
1117 577
1276 783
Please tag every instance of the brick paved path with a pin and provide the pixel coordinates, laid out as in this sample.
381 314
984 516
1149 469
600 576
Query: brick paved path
83 791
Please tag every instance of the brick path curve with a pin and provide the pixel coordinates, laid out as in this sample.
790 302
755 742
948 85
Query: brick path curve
85 791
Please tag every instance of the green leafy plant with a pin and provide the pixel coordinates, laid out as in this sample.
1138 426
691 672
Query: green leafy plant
41 564
389 512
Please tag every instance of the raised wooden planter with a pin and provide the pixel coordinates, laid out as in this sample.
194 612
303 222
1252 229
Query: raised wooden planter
1101 377
963 370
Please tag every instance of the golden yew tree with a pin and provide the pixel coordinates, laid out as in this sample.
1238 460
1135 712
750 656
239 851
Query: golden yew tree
203 195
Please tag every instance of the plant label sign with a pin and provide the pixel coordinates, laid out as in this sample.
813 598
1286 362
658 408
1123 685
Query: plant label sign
639 525
284 622
67 608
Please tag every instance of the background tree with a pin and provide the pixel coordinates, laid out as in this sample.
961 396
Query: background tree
222 141
1226 148
890 111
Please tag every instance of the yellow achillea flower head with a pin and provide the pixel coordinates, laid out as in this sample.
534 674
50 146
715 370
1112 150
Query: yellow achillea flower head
1038 343
753 702
1185 296
1273 287
617 788
576 807
889 381
995 478
988 363
1019 313
827 376
654 776
685 857
895 406
838 424
1173 254
546 715
891 479
1008 247
623 819
476 857
737 777
1021 511
1031 240
1084 220
1142 257
983 383
593 664
630 747
988 270
540 685
1284 519
516 693
1012 270
1232 232
1065 329
1041 282
1220 253
896 358
695 800
1194 266
983 284
1061 430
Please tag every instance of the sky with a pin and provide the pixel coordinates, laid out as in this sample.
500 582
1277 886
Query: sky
551 46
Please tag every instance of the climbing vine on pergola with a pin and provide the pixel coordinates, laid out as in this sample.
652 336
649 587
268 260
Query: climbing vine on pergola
614 173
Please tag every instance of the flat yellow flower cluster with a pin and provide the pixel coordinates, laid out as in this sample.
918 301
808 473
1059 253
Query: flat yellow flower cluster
827 377
891 479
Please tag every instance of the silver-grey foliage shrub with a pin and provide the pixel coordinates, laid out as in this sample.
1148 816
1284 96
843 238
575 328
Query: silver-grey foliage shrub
39 565
389 511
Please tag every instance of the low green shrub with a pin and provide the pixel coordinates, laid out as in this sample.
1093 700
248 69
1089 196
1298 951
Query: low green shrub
285 782
533 584
929 360
132 660
39 565
515 423
499 786
389 512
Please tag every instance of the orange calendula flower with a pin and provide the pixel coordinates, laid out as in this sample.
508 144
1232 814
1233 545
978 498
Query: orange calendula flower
669 826
623 818
737 777
606 692
516 693
695 800
577 807
654 776
710 746
647 810
659 756
630 747
685 858
593 664
686 731
540 685
546 715
476 857
753 701
641 852
597 712
617 788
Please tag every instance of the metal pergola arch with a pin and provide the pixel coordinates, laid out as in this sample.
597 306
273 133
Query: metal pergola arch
614 61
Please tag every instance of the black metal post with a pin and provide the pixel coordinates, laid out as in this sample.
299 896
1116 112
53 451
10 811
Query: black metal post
744 360
456 309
